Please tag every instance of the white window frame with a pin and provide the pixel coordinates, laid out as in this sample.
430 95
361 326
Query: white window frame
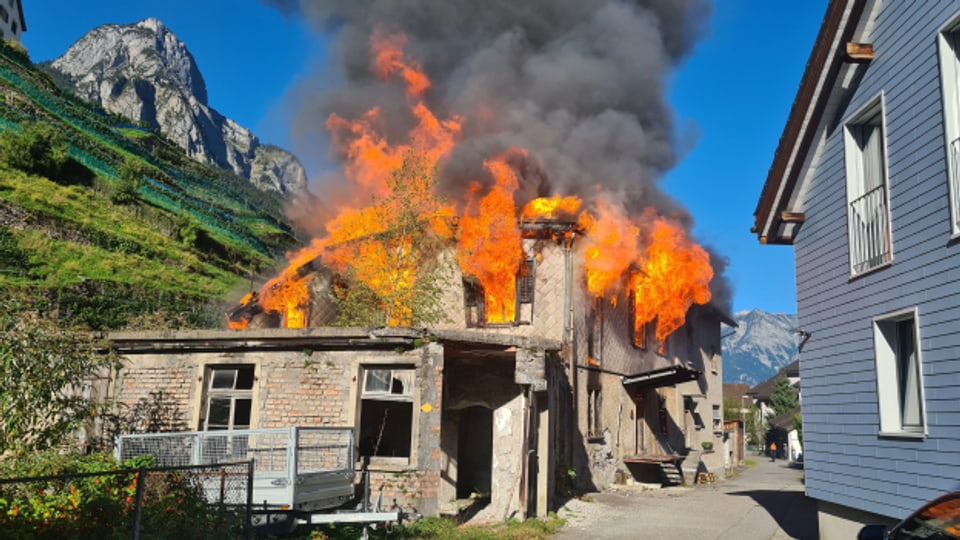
948 44
870 244
892 367
406 375
232 394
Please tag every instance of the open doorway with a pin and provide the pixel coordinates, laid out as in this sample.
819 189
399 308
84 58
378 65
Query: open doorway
474 452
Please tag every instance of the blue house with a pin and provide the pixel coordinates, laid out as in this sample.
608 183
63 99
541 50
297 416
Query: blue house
865 185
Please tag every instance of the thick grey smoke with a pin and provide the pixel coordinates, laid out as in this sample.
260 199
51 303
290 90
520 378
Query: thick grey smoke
579 84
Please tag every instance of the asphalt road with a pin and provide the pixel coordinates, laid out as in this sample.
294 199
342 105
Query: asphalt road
763 502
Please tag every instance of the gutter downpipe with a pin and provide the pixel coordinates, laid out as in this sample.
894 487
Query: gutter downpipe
568 344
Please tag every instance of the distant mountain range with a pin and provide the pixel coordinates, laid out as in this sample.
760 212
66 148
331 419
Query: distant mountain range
763 343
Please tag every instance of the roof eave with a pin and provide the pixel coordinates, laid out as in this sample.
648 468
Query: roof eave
819 76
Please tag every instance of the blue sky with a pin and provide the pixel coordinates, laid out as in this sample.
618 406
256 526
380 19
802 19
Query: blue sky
731 99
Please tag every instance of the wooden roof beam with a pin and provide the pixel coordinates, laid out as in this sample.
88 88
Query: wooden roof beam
859 52
793 217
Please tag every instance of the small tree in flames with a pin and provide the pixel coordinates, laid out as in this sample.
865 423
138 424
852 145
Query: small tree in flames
389 255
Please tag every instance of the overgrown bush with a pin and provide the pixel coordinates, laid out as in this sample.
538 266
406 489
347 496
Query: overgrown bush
36 148
12 256
44 368
102 506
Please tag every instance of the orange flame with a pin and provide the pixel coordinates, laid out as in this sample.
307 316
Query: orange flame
490 246
238 324
650 259
611 247
287 293
551 207
674 275
389 59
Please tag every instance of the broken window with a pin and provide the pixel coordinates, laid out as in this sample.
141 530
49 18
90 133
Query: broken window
386 412
475 298
229 398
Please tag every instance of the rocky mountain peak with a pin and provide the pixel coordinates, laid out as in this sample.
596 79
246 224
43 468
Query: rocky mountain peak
144 72
761 344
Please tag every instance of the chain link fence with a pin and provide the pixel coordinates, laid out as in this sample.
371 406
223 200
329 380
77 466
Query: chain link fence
182 502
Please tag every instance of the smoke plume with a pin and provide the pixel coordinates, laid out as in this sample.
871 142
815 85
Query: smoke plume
579 84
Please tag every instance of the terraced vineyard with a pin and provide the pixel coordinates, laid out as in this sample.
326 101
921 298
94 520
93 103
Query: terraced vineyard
186 245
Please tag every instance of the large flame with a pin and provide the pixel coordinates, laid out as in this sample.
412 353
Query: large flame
490 245
611 247
649 259
551 207
675 273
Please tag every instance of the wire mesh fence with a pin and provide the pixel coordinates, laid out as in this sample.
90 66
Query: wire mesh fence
183 502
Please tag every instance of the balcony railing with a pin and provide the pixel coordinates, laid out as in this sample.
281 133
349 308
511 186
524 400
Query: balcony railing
869 231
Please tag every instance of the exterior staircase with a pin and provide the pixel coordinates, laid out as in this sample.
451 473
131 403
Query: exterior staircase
670 474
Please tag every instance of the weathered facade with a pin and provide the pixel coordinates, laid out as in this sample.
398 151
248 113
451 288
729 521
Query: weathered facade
864 185
509 414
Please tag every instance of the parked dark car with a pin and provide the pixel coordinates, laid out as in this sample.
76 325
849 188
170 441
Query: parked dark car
939 519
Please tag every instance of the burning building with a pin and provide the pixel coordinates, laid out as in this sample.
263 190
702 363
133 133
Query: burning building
497 290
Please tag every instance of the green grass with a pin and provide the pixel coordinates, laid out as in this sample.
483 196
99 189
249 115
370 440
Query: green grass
444 529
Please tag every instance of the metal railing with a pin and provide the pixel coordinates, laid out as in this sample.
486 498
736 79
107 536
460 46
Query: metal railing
869 231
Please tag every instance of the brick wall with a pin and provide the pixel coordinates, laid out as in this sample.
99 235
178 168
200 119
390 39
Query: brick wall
306 389
162 390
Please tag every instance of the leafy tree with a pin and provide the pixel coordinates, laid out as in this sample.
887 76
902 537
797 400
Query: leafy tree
784 397
43 368
36 148
389 255
798 425
129 175
732 408
754 425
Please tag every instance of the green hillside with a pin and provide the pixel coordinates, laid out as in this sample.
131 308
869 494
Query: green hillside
105 224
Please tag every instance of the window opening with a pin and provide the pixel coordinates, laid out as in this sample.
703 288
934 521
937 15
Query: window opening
867 209
229 397
525 287
386 412
899 381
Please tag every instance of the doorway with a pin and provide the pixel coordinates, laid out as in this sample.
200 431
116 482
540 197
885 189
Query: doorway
474 452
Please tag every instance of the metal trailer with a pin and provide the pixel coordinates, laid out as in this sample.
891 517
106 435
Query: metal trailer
298 471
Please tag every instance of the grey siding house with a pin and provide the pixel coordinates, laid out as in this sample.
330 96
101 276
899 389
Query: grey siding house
865 185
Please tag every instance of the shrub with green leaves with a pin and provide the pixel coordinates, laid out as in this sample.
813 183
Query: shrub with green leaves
79 503
43 368
36 148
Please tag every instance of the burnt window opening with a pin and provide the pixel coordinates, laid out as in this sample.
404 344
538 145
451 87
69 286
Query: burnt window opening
638 332
662 416
229 398
595 336
474 297
594 413
386 412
